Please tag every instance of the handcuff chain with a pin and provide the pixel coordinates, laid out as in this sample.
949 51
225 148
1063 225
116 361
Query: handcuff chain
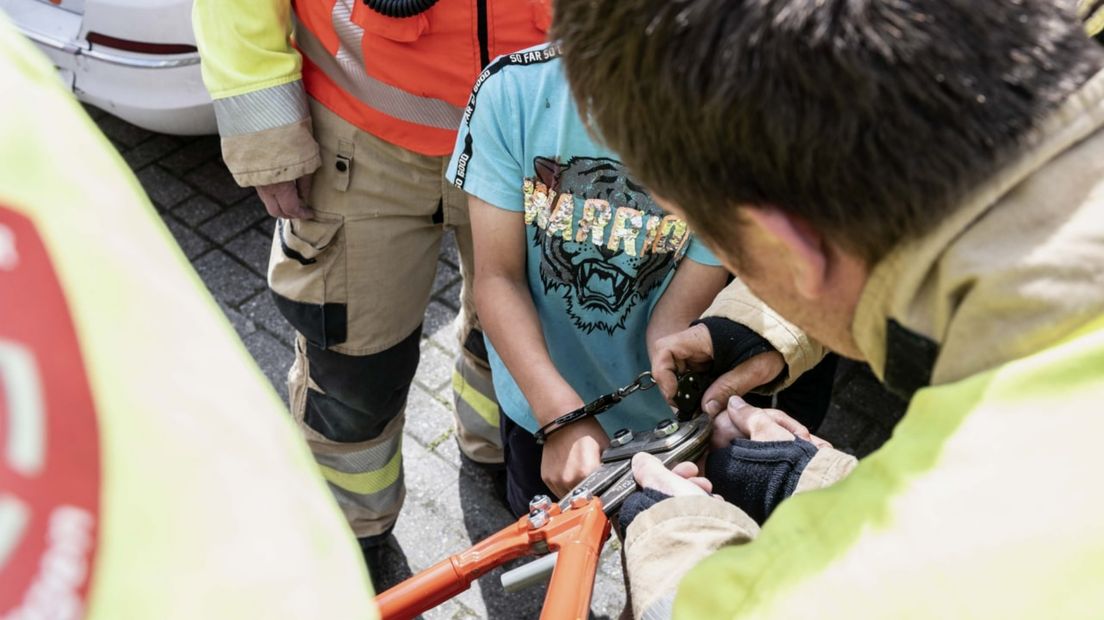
644 381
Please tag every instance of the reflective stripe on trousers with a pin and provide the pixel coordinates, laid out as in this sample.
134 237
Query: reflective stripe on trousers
365 477
476 412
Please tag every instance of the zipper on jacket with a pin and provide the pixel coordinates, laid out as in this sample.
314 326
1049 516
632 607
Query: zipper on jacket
481 17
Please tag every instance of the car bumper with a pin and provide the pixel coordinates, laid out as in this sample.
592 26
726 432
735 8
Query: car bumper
162 93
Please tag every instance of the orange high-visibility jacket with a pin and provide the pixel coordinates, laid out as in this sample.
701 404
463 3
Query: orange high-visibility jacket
405 80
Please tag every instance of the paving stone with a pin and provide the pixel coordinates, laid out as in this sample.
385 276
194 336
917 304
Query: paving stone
194 154
227 280
266 226
253 199
426 473
214 180
449 251
449 449
230 222
121 131
163 188
273 357
477 501
608 598
438 317
190 243
196 210
446 276
242 325
252 248
446 340
434 368
150 151
263 312
426 536
450 297
427 419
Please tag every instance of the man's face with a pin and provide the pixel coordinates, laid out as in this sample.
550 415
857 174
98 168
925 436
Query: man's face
772 269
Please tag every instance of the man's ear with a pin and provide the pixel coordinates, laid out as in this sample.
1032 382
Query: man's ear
804 247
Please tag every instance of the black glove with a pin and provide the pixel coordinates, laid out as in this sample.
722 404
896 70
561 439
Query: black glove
635 504
734 343
758 475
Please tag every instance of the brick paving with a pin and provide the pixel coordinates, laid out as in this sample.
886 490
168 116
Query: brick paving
226 234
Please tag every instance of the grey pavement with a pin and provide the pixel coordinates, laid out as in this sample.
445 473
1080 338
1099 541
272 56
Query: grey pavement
225 233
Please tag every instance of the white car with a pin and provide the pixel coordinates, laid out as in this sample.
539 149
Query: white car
133 58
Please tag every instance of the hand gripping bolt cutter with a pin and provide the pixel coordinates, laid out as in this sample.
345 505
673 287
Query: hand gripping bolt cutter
572 530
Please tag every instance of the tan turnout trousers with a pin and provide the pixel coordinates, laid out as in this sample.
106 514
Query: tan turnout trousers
354 282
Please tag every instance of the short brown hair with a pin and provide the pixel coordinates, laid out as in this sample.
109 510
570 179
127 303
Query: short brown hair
869 118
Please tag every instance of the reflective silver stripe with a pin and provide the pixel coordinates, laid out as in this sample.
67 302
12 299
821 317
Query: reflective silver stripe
263 109
346 70
379 460
370 458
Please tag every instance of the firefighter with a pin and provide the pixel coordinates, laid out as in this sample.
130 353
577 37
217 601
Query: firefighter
344 128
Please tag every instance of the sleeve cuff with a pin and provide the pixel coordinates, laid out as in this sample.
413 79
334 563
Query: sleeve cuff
665 541
737 303
273 155
827 467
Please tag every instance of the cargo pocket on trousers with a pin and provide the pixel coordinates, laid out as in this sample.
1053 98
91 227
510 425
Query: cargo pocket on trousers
307 277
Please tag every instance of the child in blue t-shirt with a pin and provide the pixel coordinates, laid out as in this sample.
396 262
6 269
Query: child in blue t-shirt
577 271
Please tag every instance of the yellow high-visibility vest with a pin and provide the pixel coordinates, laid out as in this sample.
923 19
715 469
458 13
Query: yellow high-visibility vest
147 469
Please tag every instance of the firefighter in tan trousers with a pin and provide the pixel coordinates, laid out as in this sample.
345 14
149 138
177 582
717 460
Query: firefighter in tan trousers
344 128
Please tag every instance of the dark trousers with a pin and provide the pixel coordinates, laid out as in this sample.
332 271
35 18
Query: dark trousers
522 455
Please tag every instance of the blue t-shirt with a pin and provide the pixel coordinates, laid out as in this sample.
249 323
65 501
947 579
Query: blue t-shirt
600 250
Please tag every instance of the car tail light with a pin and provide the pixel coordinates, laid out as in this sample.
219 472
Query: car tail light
139 46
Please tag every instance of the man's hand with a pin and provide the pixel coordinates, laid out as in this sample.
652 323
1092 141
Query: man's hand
683 479
288 199
571 454
692 349
743 421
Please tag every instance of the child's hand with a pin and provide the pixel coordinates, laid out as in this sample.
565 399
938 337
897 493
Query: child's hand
571 454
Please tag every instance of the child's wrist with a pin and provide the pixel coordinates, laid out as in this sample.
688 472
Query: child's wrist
551 404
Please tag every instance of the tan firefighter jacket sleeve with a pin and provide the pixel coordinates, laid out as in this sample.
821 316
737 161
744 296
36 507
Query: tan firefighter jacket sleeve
738 303
667 540
254 76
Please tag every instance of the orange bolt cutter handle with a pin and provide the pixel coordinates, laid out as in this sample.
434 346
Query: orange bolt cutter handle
576 528
578 534
572 582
